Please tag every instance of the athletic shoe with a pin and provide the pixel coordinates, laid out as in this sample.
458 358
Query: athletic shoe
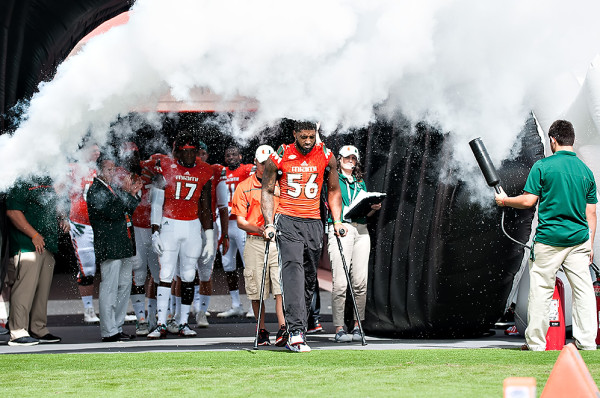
511 331
47 338
317 328
201 321
142 329
159 333
24 341
525 347
239 311
296 337
282 336
356 335
89 316
185 331
3 330
172 327
303 347
130 318
296 342
342 337
263 337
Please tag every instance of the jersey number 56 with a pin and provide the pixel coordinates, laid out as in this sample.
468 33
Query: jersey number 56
311 189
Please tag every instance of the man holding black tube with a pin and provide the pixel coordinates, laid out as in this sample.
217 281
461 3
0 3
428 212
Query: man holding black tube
566 190
297 224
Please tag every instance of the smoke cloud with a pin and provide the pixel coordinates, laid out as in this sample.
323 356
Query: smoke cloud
471 68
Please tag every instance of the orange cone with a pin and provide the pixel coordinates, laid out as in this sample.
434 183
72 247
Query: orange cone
570 377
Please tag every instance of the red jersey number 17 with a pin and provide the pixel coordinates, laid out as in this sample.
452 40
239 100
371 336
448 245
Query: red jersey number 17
192 189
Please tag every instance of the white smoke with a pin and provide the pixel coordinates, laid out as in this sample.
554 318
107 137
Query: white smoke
472 68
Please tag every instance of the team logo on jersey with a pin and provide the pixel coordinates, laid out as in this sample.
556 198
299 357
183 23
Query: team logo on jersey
304 163
187 173
173 166
292 157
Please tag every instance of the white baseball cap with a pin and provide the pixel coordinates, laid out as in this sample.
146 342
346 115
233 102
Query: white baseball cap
348 150
263 152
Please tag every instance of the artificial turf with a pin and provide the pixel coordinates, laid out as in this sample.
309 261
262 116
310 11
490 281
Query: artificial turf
322 373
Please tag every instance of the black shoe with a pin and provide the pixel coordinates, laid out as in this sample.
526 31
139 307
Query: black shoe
316 328
24 341
125 336
110 339
48 338
508 319
263 337
282 337
3 330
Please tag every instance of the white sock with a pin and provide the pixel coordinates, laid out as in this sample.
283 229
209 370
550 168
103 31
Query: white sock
184 314
138 302
204 301
235 298
88 301
162 303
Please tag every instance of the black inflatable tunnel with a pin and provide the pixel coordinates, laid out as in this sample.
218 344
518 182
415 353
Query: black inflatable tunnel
440 265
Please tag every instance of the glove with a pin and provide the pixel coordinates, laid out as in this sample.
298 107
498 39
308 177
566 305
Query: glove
209 247
157 244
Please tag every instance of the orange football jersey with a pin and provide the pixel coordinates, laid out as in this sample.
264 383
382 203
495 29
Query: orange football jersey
234 177
141 215
218 176
183 187
301 179
81 179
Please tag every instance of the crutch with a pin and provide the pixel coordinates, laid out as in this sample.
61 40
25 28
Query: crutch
262 289
339 242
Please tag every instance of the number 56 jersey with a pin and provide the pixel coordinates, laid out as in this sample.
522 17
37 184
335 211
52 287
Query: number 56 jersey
183 187
301 179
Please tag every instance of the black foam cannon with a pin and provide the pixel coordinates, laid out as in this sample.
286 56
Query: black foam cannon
485 163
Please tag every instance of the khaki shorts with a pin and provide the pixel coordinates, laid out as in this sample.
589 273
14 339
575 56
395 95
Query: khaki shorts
254 260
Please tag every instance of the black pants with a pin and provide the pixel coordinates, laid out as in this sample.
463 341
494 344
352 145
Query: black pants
299 242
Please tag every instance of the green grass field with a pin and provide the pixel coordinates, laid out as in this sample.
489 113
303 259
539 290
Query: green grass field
321 373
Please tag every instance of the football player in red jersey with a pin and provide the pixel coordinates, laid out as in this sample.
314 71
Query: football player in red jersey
203 290
181 208
297 223
82 237
236 172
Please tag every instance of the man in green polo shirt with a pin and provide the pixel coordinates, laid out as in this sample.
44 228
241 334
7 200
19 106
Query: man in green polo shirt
566 190
31 208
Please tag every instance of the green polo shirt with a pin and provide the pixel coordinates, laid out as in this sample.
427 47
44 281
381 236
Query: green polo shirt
564 185
349 191
37 199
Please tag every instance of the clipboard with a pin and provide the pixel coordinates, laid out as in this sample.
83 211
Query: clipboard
361 205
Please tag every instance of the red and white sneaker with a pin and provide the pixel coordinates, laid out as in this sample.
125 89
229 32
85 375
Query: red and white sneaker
511 331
